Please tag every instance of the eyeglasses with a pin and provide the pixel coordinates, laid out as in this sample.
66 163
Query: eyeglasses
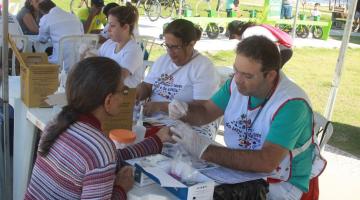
172 47
123 91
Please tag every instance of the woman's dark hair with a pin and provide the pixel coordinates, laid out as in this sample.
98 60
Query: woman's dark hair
30 7
262 50
87 85
126 15
108 6
184 30
46 5
237 27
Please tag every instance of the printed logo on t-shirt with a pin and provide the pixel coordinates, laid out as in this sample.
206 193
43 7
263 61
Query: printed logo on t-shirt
165 87
247 137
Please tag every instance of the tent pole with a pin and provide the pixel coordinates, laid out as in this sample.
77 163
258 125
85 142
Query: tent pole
293 31
340 62
5 92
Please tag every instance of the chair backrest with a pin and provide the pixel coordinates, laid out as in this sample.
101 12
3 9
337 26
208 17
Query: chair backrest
69 48
323 129
21 42
146 43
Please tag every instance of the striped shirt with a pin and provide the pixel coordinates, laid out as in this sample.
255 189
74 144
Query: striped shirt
82 164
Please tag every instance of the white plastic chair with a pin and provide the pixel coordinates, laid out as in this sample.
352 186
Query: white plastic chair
146 43
323 129
69 48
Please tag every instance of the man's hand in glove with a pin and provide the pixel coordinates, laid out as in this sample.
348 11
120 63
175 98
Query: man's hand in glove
194 143
177 109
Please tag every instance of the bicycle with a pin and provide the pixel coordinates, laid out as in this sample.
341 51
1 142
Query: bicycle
152 8
303 31
168 7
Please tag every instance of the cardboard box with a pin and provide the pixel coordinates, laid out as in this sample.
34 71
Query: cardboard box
125 118
202 190
38 77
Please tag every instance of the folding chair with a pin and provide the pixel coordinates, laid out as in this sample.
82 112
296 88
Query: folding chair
323 129
69 48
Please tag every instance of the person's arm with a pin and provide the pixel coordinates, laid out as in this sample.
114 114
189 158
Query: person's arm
208 111
96 184
143 91
30 23
44 31
153 107
290 129
264 160
202 113
150 145
93 11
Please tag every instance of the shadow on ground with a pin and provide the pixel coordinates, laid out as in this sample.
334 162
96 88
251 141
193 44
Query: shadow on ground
353 39
346 138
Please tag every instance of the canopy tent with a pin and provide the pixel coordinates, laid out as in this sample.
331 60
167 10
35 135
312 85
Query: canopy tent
6 180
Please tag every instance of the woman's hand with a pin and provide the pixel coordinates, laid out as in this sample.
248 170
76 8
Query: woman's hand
153 107
125 178
165 135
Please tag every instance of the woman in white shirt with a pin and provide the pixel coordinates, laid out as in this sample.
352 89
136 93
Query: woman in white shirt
183 73
122 46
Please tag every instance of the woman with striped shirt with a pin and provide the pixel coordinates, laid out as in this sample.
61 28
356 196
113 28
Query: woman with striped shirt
76 160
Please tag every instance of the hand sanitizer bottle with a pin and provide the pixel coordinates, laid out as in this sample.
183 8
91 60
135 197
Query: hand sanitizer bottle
139 128
62 80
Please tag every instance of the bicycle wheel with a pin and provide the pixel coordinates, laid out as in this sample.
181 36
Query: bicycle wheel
152 9
167 9
317 32
302 31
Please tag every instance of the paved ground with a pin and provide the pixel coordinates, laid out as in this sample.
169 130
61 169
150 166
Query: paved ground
341 178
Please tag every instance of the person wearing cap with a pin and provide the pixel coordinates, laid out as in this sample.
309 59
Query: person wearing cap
92 18
240 30
55 24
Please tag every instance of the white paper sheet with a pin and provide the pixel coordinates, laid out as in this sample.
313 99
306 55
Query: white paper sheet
224 175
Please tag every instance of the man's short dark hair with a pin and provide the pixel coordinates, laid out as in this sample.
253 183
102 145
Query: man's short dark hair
46 5
262 50
97 3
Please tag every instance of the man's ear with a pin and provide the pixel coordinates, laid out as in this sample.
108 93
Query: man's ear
108 102
271 75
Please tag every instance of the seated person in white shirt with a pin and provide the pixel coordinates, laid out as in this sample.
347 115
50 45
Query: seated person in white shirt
181 74
122 47
55 24
104 34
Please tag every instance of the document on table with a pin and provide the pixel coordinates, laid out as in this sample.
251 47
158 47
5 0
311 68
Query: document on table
224 175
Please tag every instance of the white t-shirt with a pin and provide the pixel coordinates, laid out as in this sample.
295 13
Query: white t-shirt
129 57
260 31
197 80
55 25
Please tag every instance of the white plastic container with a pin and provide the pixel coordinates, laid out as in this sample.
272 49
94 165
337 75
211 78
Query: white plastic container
139 129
